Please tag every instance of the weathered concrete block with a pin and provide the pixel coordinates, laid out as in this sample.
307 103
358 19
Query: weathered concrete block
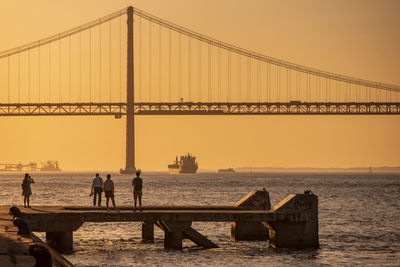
251 231
174 234
148 231
299 224
60 241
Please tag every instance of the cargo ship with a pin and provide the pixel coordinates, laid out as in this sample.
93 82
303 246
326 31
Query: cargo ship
185 164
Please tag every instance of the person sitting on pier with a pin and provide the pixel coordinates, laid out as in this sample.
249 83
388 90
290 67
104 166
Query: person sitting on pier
137 184
26 189
97 188
109 191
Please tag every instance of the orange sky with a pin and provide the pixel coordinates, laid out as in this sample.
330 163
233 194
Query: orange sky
354 38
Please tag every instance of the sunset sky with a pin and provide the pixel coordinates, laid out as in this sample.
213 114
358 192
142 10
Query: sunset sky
354 38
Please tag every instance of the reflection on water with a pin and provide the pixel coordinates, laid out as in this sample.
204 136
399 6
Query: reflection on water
358 218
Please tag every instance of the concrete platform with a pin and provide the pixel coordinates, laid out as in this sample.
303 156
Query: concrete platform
14 248
291 223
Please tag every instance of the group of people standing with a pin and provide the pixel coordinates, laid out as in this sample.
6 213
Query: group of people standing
98 186
108 187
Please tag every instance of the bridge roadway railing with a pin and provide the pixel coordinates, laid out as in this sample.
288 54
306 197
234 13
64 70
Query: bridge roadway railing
201 108
291 223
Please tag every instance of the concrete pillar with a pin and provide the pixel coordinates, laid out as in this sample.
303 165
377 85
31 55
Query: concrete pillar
130 86
174 234
300 227
148 232
60 241
251 231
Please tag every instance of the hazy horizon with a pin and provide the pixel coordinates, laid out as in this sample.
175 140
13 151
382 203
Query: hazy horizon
357 38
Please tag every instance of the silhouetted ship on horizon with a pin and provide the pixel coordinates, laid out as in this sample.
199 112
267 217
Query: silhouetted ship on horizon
186 164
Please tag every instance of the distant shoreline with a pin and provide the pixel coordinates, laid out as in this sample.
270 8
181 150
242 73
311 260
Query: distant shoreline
321 170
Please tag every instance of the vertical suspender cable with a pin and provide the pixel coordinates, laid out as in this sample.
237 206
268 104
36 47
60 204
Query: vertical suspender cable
169 64
150 60
100 60
229 76
278 76
269 82
219 73
297 85
239 76
39 75
248 79
80 66
189 69
199 72
159 63
309 87
70 70
180 65
258 81
19 63
49 72
59 70
326 89
120 59
29 75
90 66
109 60
287 85
209 72
8 79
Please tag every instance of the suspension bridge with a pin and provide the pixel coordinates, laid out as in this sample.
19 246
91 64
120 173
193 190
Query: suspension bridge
133 63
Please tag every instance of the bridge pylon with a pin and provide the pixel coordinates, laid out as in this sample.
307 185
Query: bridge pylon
130 86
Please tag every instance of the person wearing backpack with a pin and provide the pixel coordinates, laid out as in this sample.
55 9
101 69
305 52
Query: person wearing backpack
137 184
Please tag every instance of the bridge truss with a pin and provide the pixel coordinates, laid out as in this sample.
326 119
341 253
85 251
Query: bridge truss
204 108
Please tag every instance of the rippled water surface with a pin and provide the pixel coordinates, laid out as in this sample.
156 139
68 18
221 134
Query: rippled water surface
359 217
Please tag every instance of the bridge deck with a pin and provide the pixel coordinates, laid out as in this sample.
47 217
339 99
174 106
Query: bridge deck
201 108
154 213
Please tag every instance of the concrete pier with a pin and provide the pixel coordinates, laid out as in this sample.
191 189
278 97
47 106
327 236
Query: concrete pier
148 231
249 231
291 223
299 228
24 249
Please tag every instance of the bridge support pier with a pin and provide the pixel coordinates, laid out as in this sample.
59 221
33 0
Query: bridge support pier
251 231
174 233
297 223
60 241
148 232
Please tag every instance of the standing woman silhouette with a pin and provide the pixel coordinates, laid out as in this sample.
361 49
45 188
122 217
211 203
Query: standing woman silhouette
26 189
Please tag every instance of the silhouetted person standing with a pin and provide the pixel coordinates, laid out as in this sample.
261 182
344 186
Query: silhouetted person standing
109 191
137 184
97 188
26 189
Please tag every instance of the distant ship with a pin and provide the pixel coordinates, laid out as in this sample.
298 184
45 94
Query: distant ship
186 164
229 170
51 166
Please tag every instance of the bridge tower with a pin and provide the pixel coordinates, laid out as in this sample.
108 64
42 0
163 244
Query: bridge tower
130 86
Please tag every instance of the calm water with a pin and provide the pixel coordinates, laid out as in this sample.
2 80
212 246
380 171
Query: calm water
359 218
